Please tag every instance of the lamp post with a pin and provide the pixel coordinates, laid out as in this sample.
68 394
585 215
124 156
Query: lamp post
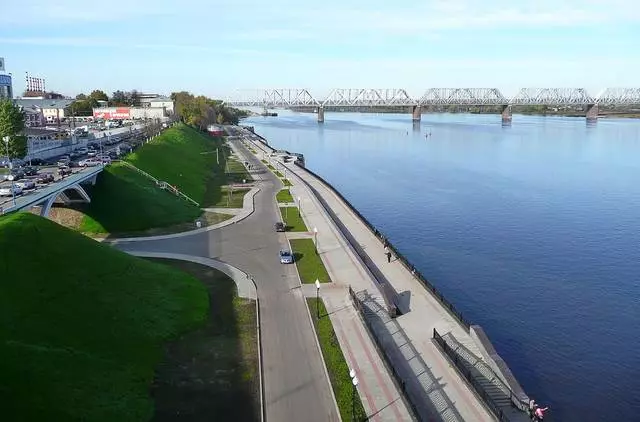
318 297
299 207
13 189
315 238
354 381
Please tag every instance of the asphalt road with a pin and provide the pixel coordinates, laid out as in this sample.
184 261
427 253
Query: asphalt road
296 387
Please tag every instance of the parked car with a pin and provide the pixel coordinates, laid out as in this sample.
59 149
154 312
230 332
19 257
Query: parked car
26 184
63 161
64 171
37 162
286 257
90 162
279 226
30 171
10 191
92 153
105 159
83 151
44 178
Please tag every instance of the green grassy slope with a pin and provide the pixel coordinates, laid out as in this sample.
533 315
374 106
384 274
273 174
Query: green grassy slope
82 325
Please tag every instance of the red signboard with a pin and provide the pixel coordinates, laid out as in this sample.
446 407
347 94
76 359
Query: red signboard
107 114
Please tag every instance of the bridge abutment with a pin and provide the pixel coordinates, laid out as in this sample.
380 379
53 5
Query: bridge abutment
592 111
416 113
506 113
320 114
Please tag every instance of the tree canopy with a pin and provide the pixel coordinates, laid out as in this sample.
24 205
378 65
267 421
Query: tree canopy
201 111
11 124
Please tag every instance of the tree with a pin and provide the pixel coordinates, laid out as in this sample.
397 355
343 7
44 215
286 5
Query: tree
81 97
11 125
134 98
119 98
98 95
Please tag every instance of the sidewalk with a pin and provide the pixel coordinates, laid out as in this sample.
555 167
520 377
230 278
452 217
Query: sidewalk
455 400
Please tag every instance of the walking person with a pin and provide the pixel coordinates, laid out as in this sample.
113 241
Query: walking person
388 253
532 409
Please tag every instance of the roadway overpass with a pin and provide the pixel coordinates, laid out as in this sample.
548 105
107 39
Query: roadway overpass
396 97
46 196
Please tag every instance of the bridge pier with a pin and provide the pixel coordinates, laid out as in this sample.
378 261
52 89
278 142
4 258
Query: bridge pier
592 112
320 114
416 113
506 114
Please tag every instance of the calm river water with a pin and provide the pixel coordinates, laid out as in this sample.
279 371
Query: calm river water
532 231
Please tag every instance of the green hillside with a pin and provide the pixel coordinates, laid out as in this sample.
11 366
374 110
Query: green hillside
82 325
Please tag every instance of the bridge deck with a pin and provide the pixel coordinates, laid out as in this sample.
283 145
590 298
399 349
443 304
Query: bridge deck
37 196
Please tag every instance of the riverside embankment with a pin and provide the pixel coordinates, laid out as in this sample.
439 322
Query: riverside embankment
419 364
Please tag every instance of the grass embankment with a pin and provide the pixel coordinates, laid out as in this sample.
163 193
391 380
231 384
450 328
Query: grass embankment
310 266
336 364
237 172
292 219
125 203
82 325
284 196
214 369
231 198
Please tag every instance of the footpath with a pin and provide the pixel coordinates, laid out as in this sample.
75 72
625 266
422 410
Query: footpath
442 393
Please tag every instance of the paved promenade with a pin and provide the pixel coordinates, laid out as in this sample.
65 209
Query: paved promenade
444 391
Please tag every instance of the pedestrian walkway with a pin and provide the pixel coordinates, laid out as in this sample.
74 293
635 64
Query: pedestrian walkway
422 312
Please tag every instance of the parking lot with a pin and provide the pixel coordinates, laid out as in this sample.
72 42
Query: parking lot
29 179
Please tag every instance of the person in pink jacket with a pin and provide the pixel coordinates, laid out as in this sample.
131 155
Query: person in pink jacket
540 412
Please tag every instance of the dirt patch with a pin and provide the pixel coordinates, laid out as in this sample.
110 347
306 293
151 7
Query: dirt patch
67 217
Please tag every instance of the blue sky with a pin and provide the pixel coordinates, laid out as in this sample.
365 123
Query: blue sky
215 47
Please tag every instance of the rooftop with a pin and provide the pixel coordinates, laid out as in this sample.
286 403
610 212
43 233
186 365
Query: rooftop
42 103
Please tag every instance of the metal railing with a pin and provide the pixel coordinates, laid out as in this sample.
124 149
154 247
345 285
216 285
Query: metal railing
400 383
405 262
161 184
480 391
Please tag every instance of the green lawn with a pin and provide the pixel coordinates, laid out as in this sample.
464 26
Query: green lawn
270 167
291 218
176 157
286 182
336 364
237 172
310 266
83 325
264 161
214 369
233 199
284 196
277 173
125 201
4 170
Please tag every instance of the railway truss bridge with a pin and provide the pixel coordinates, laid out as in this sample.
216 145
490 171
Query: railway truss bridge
344 99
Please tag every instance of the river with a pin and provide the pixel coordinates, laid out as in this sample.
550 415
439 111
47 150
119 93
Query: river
532 231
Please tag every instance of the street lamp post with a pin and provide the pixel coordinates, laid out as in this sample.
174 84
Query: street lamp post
318 297
13 186
299 207
354 381
315 238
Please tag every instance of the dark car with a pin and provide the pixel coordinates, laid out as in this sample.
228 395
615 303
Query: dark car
279 226
64 171
44 178
37 162
17 174
30 171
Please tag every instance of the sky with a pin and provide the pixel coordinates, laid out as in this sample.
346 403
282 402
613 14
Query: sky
222 48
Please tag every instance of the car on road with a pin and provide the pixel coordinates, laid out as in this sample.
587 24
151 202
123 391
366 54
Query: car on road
7 191
64 171
92 153
286 257
64 161
30 171
15 174
90 162
105 159
279 226
37 162
83 151
44 178
26 184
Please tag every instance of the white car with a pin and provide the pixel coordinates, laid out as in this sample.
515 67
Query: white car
26 184
286 257
89 162
7 191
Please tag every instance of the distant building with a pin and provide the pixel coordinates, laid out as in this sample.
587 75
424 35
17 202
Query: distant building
215 130
157 102
33 117
126 113
6 88
52 110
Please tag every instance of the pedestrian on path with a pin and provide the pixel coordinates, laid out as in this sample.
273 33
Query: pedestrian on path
385 243
388 253
540 413
532 408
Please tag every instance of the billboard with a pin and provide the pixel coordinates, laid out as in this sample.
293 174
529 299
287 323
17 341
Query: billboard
5 80
112 113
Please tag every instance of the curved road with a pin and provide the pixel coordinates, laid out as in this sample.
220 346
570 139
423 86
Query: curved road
295 383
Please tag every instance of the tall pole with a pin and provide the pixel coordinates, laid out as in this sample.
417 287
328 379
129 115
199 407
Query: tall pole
318 298
315 238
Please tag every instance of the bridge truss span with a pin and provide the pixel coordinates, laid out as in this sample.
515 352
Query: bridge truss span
463 96
552 97
358 97
619 96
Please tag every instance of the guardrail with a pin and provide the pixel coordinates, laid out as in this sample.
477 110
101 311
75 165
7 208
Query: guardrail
492 405
411 268
161 184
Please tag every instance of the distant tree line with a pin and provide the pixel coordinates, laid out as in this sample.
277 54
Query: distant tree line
201 111
84 104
